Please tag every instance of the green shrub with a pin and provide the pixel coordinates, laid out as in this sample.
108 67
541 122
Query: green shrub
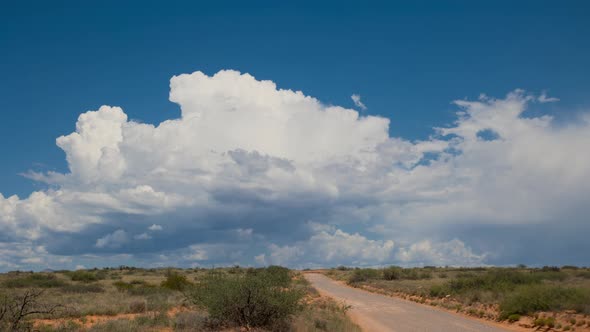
279 275
256 299
360 275
175 281
392 273
514 318
532 298
438 291
411 274
81 289
36 280
83 276
497 281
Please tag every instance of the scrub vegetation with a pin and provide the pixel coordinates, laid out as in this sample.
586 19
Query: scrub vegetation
530 297
132 299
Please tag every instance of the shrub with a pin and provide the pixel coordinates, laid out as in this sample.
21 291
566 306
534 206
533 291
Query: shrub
531 298
539 321
137 307
36 280
514 318
81 289
411 274
497 281
360 275
255 299
83 276
279 275
175 281
438 291
392 273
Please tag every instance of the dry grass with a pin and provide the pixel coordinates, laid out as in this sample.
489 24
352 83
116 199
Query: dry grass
133 300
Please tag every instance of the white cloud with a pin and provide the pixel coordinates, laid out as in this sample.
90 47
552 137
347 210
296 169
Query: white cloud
247 158
357 102
155 228
113 240
544 99
453 253
142 236
260 259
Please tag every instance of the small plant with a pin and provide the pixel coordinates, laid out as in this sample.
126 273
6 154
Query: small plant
539 321
175 281
137 307
514 318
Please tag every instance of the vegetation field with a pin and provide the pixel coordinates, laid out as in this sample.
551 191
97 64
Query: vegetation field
132 299
549 297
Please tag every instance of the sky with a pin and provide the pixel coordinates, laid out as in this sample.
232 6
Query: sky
310 135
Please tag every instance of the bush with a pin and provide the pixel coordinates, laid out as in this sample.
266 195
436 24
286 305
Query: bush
514 318
36 280
531 298
392 273
81 289
175 281
83 276
438 291
137 307
360 275
258 298
497 281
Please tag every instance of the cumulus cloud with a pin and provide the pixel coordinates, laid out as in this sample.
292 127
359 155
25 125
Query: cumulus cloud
356 99
155 228
113 240
239 176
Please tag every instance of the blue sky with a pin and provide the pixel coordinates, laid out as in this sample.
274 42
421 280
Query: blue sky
408 62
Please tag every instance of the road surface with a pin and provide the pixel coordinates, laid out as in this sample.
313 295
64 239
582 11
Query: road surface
376 313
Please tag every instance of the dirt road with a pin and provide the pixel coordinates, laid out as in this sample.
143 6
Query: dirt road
376 313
